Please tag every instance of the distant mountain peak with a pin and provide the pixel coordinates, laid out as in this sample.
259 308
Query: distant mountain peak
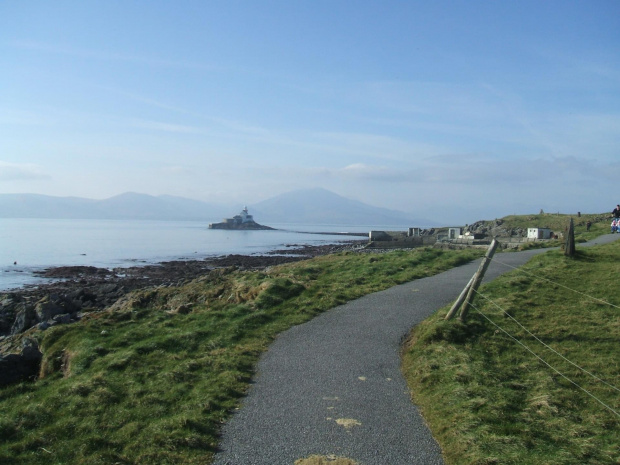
303 206
128 205
322 206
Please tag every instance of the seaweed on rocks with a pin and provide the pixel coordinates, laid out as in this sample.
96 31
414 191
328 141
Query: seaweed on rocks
76 290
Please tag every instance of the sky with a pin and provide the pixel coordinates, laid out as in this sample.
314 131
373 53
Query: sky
455 111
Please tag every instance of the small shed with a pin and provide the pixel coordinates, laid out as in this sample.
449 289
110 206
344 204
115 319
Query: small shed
454 233
413 232
538 233
379 236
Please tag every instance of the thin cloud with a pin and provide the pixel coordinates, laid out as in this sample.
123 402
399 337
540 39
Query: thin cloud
99 55
376 146
493 170
376 173
179 171
21 172
430 99
241 127
146 100
472 170
167 127
594 64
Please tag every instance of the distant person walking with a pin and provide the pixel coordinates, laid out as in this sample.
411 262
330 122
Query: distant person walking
616 212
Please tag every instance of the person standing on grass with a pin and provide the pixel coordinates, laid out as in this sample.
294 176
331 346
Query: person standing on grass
616 212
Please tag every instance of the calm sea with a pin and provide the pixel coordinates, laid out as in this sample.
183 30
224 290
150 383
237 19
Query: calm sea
28 245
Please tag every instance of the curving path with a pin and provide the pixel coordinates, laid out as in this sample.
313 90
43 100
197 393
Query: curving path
333 386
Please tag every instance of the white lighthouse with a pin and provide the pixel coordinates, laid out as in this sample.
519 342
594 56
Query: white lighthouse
245 216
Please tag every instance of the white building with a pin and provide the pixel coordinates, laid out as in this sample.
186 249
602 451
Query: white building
245 216
538 233
455 233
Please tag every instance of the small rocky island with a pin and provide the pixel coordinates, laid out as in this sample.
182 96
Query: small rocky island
242 221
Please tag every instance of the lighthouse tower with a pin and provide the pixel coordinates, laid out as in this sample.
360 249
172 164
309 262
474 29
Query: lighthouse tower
245 217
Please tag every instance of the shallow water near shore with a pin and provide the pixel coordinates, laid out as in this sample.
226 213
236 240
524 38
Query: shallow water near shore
36 244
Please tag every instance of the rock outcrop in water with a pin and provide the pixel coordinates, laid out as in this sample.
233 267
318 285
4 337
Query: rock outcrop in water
242 221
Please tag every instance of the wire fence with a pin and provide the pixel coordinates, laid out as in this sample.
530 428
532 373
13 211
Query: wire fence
546 346
548 364
555 283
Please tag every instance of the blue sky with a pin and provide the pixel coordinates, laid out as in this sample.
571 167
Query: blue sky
454 111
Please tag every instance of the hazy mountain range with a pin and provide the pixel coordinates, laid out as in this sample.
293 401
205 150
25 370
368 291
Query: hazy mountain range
311 206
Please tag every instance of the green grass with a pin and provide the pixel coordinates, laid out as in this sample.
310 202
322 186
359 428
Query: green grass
489 401
151 380
558 222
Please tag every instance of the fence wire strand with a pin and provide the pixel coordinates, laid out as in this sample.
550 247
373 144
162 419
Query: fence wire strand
544 344
533 275
545 362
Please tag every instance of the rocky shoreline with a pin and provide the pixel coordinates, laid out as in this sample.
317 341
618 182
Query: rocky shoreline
76 290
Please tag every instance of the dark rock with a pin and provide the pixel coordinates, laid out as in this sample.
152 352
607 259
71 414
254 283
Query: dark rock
494 229
21 367
107 288
46 324
73 271
46 309
30 350
8 310
25 318
63 319
7 301
251 225
79 296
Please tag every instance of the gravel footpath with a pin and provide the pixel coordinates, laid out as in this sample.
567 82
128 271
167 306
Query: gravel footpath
333 386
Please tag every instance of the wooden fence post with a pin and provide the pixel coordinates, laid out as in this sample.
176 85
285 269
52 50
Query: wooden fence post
461 298
569 249
477 279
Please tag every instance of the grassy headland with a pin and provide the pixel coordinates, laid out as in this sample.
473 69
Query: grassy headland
152 379
558 223
490 401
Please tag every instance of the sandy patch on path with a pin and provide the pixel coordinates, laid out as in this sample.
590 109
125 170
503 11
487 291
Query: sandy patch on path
325 460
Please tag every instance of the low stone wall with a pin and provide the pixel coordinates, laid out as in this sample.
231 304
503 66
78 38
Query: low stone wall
390 240
447 245
508 238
